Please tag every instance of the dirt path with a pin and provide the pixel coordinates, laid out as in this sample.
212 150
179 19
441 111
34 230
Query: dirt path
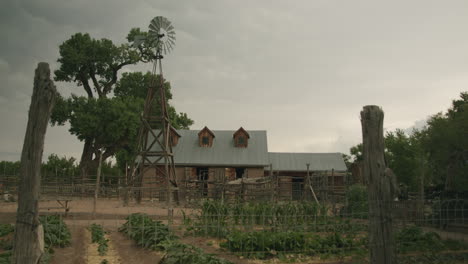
92 253
76 252
130 253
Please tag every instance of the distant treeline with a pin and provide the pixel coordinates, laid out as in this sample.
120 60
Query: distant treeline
435 156
57 168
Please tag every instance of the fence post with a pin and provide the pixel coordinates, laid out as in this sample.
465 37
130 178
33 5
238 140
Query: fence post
381 242
98 179
28 245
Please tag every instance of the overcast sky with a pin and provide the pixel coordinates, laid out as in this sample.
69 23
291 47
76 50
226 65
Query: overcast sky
302 70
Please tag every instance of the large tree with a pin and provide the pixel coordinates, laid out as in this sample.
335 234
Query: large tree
446 143
103 121
434 155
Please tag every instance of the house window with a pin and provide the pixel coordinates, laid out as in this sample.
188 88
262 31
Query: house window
241 140
205 140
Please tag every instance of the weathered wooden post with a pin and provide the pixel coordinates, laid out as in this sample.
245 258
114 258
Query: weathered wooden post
28 245
98 184
381 186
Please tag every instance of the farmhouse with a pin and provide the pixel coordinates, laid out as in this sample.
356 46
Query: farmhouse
207 159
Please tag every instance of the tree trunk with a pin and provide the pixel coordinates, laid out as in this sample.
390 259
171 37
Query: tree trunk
29 238
86 158
381 185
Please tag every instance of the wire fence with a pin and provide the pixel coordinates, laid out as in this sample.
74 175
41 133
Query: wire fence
219 229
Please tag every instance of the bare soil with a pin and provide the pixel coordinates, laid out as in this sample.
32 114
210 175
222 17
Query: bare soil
76 252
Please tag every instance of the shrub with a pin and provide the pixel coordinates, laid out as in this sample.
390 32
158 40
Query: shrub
146 232
56 232
357 202
178 253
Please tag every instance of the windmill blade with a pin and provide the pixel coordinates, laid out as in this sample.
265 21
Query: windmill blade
161 25
138 40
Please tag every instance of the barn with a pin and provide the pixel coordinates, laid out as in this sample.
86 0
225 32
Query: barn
206 160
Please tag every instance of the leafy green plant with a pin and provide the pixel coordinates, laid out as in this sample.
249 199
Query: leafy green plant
414 239
6 229
357 205
98 236
5 257
178 253
216 218
146 232
56 232
263 244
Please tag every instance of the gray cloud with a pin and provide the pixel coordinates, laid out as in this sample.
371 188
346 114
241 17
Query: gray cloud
301 70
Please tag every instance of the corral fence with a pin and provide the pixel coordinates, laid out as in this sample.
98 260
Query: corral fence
252 221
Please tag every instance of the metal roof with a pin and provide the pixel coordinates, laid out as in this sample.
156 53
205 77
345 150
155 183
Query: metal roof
222 152
298 161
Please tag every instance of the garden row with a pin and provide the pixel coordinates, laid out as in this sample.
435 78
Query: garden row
56 234
275 230
216 218
155 235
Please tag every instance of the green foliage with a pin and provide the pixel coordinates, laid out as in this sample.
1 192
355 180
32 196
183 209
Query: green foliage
446 144
6 229
98 236
217 218
135 85
5 257
401 157
263 244
58 167
356 152
414 239
178 253
9 167
104 122
146 232
6 242
56 232
85 59
357 202
436 154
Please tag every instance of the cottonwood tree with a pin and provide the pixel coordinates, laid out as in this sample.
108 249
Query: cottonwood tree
101 120
434 155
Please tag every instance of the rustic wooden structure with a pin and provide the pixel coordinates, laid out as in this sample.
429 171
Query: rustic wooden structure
381 185
98 185
29 238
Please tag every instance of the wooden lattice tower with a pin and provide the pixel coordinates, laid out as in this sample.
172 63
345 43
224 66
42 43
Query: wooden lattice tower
154 138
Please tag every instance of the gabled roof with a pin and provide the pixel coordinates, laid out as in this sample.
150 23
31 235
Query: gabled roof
241 130
298 161
222 152
174 131
208 130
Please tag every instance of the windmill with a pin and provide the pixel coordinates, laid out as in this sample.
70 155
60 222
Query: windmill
154 137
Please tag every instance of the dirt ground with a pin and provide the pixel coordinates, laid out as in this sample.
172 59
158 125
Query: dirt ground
111 214
81 208
122 250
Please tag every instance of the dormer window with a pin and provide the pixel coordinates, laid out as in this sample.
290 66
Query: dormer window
205 137
174 137
241 138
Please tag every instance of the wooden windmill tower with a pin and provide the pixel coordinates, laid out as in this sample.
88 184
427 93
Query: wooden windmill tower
154 138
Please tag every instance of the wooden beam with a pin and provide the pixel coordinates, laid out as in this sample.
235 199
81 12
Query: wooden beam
28 245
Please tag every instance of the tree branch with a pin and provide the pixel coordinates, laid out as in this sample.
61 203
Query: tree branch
87 88
113 80
97 86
